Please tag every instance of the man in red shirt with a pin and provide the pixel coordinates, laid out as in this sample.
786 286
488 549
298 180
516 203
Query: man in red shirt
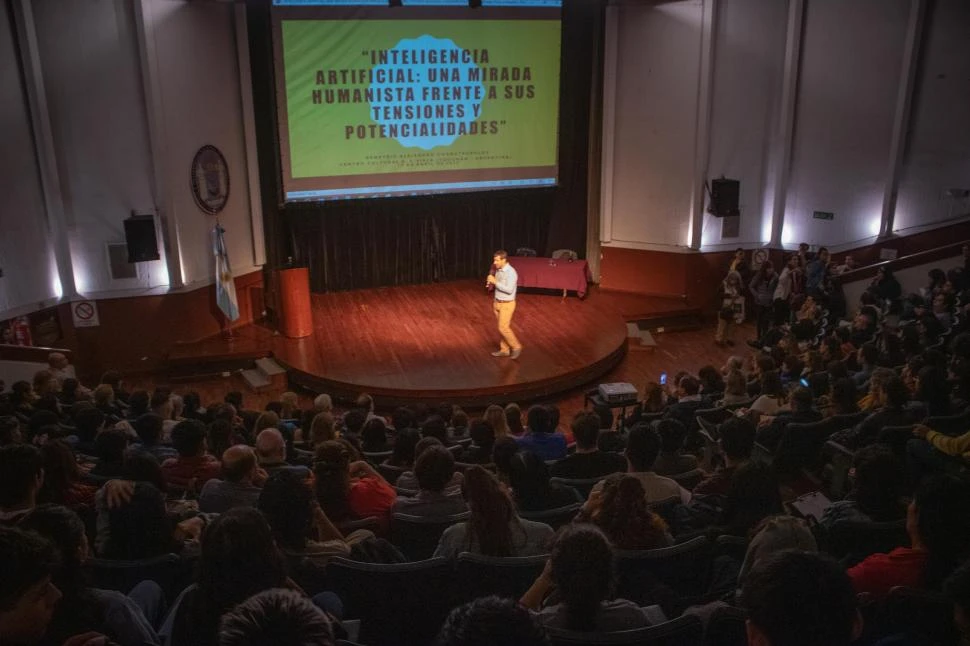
193 467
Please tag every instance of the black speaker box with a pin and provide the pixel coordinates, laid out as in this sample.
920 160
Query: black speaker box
724 197
140 238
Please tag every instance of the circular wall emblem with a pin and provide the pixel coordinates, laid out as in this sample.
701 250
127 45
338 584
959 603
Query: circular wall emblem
210 180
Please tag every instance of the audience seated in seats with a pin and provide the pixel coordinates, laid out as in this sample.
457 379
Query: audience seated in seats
115 379
241 484
957 591
248 417
620 510
871 401
104 401
87 424
21 478
139 527
162 405
271 452
588 461
609 440
802 412
798 598
492 621
938 524
238 559
654 401
513 416
540 436
63 483
483 439
752 496
193 467
436 427
891 397
300 526
279 617
580 569
352 424
933 392
712 384
434 471
531 489
643 447
405 443
219 436
402 418
408 481
867 358
148 427
771 396
496 416
458 427
321 428
28 596
842 398
9 431
494 528
365 404
373 437
735 389
503 451
672 460
760 366
689 401
350 488
879 484
192 407
932 452
123 619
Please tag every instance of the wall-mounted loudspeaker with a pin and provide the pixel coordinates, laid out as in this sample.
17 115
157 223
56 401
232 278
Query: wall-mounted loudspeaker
724 198
140 238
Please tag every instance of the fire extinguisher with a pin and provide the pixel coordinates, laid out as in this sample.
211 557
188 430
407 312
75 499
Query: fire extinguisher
21 332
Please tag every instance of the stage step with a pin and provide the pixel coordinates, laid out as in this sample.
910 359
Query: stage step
256 379
639 339
671 322
267 374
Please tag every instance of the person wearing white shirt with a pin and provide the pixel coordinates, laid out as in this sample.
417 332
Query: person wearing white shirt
505 281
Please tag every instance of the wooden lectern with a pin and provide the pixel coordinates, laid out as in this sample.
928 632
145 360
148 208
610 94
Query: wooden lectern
296 317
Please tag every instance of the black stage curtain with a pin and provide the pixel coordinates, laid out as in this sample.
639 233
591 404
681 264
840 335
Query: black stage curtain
354 244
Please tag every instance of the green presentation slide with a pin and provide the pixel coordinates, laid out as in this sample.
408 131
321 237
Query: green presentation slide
389 107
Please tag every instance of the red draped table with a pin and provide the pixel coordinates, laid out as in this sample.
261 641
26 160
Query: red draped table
552 274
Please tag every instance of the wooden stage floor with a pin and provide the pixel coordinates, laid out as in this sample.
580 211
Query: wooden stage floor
433 342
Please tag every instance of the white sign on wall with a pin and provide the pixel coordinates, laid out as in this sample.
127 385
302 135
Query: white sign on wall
85 314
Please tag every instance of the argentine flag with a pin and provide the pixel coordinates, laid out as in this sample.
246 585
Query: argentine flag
225 285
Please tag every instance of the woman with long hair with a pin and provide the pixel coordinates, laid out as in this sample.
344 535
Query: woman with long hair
531 489
350 488
513 417
495 415
63 484
84 608
405 443
581 571
620 510
494 528
772 395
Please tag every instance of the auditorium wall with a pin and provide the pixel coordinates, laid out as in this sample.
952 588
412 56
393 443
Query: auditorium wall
675 115
132 89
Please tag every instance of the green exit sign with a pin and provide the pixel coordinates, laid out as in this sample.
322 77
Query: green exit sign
823 215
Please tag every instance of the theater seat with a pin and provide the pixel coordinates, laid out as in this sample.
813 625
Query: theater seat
509 577
684 568
403 604
555 518
166 570
582 485
683 631
390 473
417 536
725 627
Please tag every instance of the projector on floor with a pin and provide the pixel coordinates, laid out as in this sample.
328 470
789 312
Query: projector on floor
613 393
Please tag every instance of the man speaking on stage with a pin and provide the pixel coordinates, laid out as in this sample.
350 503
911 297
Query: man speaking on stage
505 280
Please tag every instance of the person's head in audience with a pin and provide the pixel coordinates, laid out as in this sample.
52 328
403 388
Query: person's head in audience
239 558
270 447
513 417
144 467
763 364
581 568
642 447
373 437
402 418
752 496
540 420
672 435
459 420
444 410
831 349
323 427
502 452
188 438
837 370
279 617
495 416
957 591
796 598
149 428
192 404
933 390
771 385
938 522
323 403
353 422
801 400
44 383
161 404
239 464
110 446
843 397
88 423
482 434
620 510
792 366
868 356
554 416
275 407
10 431
605 415
529 479
893 393
879 482
28 596
114 379
365 403
653 397
218 436
435 427
226 412
139 403
737 437
39 420
288 504
491 621
735 384
734 362
434 469
139 528
267 419
492 512
586 431
331 467
61 472
235 398
688 387
405 441
22 395
711 380
21 477
291 405
69 388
